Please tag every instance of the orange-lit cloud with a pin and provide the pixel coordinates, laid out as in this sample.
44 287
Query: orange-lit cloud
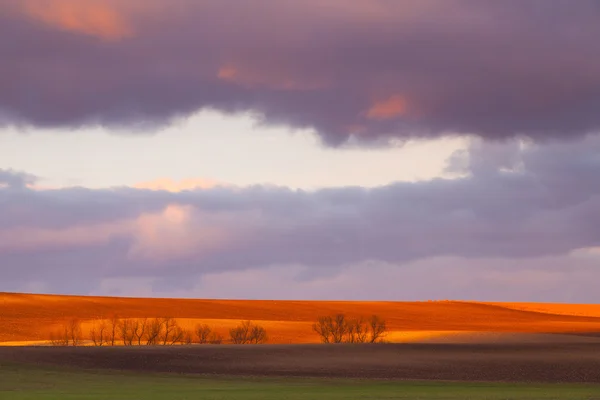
392 107
327 64
173 232
227 73
280 80
170 185
91 17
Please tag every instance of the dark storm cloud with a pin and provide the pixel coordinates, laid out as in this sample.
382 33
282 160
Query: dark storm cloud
376 70
515 203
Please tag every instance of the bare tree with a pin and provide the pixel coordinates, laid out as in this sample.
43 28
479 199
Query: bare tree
377 328
68 334
99 332
215 338
332 329
203 333
323 328
188 338
340 329
258 335
177 335
113 329
241 333
126 331
248 332
139 329
171 332
357 331
60 337
154 330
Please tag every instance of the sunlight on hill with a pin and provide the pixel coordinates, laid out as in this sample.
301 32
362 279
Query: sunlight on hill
31 318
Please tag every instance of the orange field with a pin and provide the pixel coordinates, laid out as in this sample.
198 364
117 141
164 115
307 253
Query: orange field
29 318
583 310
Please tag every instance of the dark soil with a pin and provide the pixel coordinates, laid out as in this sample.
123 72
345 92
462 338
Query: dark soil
462 362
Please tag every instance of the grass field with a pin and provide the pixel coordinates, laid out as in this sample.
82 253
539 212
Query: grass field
21 382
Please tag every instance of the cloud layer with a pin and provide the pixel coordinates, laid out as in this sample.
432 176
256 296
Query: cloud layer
366 71
517 208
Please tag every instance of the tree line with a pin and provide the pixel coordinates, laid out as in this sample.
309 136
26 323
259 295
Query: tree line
339 328
163 331
166 331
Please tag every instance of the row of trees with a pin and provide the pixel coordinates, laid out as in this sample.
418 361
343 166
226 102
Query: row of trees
166 331
341 329
153 331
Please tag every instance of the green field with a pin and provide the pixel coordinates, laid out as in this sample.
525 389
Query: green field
20 382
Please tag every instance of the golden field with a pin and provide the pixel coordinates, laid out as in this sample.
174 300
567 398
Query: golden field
30 318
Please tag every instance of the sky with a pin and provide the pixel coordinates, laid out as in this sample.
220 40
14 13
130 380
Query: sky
348 150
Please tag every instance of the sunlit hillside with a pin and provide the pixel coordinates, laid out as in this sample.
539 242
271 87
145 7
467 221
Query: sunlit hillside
28 318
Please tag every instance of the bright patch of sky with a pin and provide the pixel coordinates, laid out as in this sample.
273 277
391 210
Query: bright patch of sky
216 147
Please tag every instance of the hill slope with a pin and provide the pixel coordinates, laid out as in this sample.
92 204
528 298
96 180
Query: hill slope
30 317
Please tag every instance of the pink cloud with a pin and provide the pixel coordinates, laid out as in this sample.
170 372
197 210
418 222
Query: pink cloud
392 107
176 232
170 233
272 78
91 17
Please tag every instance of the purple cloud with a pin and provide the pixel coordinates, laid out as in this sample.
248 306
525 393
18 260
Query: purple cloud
515 203
15 179
368 71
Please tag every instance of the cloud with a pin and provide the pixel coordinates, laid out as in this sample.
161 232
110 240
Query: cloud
155 237
516 202
14 179
91 17
177 186
273 79
558 279
589 252
394 106
373 72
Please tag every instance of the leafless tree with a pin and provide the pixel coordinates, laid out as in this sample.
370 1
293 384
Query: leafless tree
68 334
177 335
258 334
113 329
323 328
188 338
357 331
248 332
74 331
340 329
240 334
332 329
99 332
139 329
215 338
377 328
171 332
126 331
203 333
60 337
154 329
